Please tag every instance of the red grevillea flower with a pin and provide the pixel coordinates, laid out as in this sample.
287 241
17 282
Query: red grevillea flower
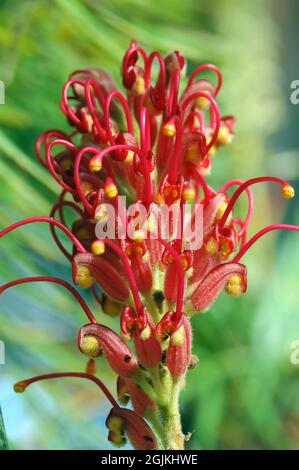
151 147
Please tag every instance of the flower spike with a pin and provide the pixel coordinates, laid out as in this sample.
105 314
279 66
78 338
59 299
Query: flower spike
152 147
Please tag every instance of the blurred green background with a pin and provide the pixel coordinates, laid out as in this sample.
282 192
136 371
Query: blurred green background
244 393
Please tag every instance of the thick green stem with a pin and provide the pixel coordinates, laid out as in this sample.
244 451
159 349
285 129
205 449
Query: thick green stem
173 435
167 390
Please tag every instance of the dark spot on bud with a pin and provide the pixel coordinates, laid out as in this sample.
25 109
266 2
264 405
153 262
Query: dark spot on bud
127 358
148 438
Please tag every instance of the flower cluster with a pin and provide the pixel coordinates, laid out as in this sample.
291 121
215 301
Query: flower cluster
155 146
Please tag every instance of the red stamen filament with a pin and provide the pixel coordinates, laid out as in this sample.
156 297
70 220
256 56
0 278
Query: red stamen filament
173 94
131 278
145 131
242 188
80 375
66 109
58 207
175 160
54 280
49 221
44 139
214 108
147 176
198 177
229 122
134 48
192 117
79 189
49 159
258 235
204 67
125 106
226 186
92 106
148 70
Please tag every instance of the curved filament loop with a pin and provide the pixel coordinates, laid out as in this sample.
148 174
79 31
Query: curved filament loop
147 176
53 280
65 102
44 139
173 94
161 82
50 221
59 207
249 193
229 121
89 208
134 49
242 188
260 234
195 115
195 173
126 109
80 375
93 91
51 161
214 112
203 68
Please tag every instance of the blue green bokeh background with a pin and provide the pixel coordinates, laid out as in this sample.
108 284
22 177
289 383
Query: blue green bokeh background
244 393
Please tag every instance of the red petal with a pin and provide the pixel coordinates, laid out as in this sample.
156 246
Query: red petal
148 348
140 400
108 274
171 283
202 264
210 211
210 287
137 429
143 273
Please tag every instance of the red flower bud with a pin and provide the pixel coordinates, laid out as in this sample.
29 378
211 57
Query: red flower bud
95 339
127 389
121 421
179 350
143 272
148 348
106 271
